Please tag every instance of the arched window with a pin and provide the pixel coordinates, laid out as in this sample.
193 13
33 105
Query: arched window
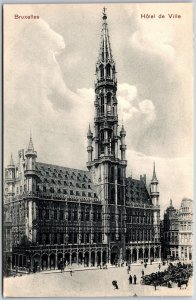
112 200
108 71
109 96
101 142
119 175
112 174
101 72
119 195
102 105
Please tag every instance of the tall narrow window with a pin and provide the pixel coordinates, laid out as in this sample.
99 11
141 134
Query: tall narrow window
101 72
102 105
108 71
109 96
102 142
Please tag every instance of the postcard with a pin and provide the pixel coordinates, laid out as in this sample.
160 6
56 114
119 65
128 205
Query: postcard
98 150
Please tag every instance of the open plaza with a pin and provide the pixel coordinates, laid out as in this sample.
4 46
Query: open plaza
90 282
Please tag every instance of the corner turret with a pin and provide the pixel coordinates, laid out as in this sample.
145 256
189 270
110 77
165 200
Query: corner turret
30 171
154 188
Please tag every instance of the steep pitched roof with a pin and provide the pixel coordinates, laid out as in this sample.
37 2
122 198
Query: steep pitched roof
67 181
137 192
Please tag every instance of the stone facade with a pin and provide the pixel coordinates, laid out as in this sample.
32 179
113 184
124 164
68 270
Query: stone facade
170 236
186 229
177 231
93 217
7 242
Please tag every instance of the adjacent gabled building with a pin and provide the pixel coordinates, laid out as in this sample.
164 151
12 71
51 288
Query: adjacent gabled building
89 217
177 231
170 238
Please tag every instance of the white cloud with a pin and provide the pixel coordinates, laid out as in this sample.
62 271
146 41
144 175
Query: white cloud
147 108
176 169
37 93
130 107
154 40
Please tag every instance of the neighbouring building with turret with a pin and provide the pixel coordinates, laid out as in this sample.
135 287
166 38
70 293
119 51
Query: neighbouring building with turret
86 217
177 231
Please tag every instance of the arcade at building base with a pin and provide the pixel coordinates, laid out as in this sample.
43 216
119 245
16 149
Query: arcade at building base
48 257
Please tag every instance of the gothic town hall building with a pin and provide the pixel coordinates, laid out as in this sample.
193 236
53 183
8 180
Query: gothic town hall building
84 217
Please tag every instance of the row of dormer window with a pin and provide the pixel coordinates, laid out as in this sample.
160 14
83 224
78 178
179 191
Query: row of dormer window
52 190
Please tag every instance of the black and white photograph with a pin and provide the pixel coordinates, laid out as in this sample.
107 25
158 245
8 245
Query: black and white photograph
97 150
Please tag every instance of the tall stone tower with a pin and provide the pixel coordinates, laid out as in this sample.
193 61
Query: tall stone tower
106 148
155 200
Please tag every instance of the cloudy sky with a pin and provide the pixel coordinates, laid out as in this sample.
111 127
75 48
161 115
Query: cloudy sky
49 86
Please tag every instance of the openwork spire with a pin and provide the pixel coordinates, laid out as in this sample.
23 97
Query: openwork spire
11 160
105 52
154 176
89 134
30 147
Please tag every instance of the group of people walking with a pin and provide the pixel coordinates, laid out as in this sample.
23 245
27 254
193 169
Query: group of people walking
133 279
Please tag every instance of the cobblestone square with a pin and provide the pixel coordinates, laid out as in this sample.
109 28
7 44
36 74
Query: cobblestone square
94 282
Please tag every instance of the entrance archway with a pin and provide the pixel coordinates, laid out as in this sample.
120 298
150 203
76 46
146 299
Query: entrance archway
36 262
140 253
60 260
104 257
152 254
44 262
157 253
80 258
98 258
67 258
73 258
52 261
115 255
86 259
128 256
92 259
134 255
146 254
20 260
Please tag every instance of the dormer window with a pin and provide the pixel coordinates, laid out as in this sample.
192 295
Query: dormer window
52 190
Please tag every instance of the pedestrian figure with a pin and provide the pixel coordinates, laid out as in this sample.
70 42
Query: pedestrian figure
155 285
142 272
169 284
145 265
115 284
71 272
159 266
130 279
135 279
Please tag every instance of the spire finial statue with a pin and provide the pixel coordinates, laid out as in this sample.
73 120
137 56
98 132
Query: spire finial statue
104 13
